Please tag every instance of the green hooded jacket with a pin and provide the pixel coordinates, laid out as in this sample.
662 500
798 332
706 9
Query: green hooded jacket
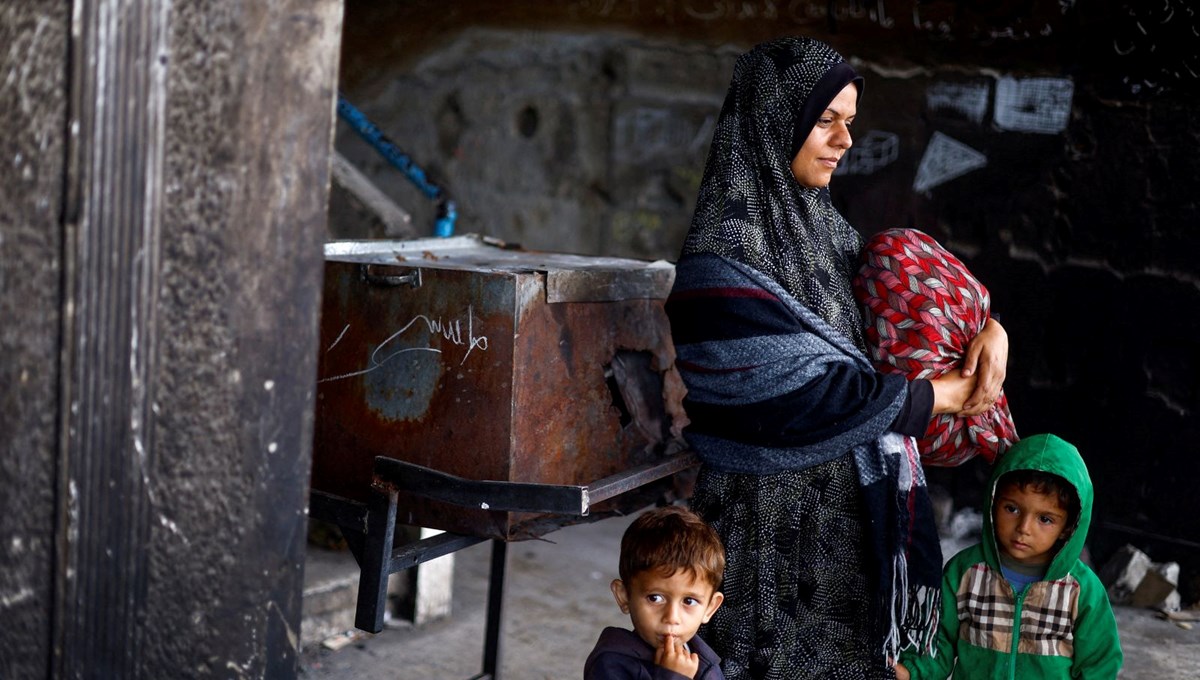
1067 628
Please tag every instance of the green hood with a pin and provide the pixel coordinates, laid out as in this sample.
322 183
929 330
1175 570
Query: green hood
1047 453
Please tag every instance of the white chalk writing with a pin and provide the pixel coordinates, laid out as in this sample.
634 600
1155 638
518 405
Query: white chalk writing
451 330
943 20
339 337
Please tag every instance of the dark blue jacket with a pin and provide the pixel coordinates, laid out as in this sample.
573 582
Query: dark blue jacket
623 655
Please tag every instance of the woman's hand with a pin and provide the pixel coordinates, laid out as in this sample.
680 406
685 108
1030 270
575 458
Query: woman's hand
951 390
901 672
988 355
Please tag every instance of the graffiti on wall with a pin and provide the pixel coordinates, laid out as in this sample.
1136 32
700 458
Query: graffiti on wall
1156 46
1034 105
648 132
1041 105
945 20
872 151
969 100
945 159
795 11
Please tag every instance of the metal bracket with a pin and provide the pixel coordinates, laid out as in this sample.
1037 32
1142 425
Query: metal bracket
556 499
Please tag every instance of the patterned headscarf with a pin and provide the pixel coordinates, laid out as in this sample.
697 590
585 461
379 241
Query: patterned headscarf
750 207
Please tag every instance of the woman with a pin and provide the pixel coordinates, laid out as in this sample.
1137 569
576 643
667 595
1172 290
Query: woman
833 561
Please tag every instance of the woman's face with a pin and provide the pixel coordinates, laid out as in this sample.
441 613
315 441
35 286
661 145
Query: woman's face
830 138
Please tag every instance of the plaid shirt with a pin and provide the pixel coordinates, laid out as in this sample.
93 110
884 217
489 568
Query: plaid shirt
987 609
1065 627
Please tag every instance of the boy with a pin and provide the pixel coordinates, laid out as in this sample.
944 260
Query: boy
1026 576
671 566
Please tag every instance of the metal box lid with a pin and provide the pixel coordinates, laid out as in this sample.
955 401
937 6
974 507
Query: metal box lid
569 278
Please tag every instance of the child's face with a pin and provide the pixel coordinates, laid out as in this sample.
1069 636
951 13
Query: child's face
1028 524
666 606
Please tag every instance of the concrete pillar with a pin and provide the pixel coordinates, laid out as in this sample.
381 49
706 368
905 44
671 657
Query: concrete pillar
164 189
33 114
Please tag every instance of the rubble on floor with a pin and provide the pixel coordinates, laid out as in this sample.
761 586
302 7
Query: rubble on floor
1133 579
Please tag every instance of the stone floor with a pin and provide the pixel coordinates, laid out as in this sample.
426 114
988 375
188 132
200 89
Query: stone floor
557 601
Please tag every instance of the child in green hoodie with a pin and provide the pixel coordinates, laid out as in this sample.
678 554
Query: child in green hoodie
1026 575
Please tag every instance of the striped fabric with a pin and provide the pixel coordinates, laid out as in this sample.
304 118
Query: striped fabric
922 307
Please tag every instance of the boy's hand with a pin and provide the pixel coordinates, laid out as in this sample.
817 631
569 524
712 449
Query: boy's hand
901 672
675 657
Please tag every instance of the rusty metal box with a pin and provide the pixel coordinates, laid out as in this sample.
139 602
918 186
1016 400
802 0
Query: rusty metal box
490 363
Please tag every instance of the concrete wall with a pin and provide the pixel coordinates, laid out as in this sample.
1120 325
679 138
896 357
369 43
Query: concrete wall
32 152
163 187
1052 145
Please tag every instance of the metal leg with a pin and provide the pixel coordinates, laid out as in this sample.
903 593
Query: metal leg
491 644
376 561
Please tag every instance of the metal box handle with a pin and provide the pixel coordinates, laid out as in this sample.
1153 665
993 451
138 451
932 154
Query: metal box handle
413 278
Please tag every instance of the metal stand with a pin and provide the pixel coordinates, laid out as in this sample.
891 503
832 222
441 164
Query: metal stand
369 528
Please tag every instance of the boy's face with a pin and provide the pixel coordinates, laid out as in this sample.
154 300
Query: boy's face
663 607
1028 524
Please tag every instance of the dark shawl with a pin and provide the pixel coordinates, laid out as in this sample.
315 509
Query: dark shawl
772 387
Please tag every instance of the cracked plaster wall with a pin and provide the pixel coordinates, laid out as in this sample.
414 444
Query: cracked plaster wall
1052 145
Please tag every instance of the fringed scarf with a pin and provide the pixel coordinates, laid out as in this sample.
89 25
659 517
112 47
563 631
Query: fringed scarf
773 387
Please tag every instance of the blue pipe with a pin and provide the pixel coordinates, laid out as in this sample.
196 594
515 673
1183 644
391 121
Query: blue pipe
447 212
447 215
